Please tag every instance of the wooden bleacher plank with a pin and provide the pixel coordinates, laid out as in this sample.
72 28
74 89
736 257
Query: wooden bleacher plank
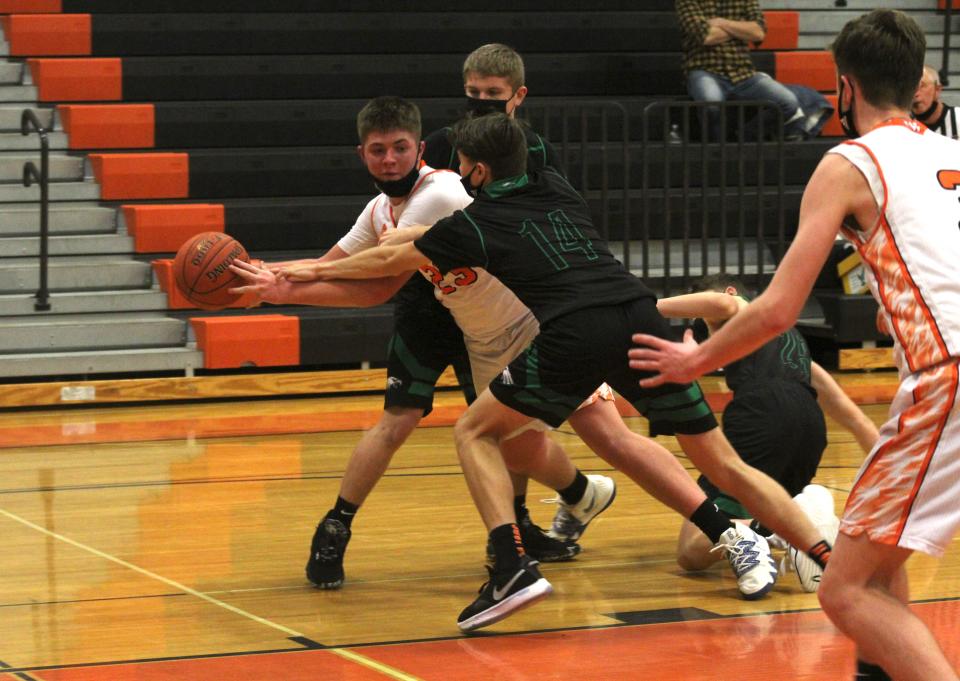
859 359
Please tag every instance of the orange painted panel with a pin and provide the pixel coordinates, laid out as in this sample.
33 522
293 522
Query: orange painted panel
164 228
832 128
783 31
813 69
163 271
108 126
942 4
30 6
48 34
77 80
142 176
257 340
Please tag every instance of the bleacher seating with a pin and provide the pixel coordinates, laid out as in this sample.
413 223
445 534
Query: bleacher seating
239 115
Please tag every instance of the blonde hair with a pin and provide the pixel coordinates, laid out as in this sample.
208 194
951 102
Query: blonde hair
495 59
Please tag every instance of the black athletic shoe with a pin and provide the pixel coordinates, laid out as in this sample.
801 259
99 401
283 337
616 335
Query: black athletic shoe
325 566
504 594
539 545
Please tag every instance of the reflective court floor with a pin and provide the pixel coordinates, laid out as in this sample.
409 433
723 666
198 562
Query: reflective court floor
169 541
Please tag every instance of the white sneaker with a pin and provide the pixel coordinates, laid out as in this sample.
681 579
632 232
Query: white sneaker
570 521
816 502
749 556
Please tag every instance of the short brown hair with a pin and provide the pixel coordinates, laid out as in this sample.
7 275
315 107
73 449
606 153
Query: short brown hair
495 59
382 114
496 140
884 51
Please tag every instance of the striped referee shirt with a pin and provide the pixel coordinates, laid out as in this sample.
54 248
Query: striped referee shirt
730 59
946 125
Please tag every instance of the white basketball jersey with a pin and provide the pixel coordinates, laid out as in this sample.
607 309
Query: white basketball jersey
481 305
912 253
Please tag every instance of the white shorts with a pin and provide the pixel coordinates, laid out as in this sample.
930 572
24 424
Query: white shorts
906 493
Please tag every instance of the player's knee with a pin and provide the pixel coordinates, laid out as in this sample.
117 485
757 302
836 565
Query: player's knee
835 597
394 428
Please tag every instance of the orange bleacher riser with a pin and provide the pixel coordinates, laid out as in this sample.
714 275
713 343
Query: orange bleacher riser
48 34
163 271
783 31
30 6
250 340
813 69
142 176
942 4
108 126
163 228
77 80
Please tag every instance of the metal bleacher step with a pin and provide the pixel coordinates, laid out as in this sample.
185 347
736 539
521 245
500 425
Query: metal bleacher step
131 361
659 258
80 302
80 244
59 191
63 167
18 93
63 218
15 141
83 332
11 72
10 116
76 273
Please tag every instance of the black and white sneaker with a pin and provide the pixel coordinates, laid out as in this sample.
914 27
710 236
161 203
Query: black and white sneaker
325 565
539 545
504 594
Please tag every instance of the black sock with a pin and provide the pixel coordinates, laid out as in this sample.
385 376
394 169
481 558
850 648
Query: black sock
870 672
760 529
574 493
520 507
710 520
507 546
820 553
343 511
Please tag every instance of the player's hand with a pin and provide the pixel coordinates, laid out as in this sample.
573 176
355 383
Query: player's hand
263 283
668 360
395 237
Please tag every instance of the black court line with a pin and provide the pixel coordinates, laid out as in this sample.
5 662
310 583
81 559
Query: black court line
90 600
7 669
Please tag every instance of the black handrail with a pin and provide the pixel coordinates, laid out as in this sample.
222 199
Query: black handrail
28 121
947 30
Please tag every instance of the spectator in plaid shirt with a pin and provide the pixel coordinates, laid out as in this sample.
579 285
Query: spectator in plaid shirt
716 36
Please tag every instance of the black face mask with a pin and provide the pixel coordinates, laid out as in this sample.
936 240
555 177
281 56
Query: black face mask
465 181
846 116
482 107
924 115
403 186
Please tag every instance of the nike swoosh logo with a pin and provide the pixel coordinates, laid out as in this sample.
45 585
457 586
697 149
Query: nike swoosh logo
498 594
592 502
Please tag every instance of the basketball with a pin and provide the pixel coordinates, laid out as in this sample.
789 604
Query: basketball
202 269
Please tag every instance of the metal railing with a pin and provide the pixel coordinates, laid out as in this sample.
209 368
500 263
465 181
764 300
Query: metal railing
592 139
30 122
705 168
947 32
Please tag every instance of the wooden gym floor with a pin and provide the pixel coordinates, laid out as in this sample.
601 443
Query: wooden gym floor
168 542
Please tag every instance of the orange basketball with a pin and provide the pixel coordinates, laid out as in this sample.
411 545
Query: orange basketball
202 269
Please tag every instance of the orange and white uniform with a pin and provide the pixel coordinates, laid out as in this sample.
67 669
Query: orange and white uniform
907 492
496 325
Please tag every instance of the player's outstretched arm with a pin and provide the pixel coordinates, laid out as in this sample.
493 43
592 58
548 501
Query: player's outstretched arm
271 287
838 406
712 306
368 264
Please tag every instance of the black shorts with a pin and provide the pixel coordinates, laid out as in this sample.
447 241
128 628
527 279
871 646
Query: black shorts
778 428
426 340
577 352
